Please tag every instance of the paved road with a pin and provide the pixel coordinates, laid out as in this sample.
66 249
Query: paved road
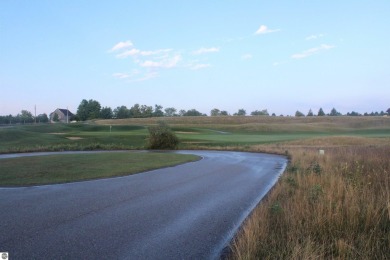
190 211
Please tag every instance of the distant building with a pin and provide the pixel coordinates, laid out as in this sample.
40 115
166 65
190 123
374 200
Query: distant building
61 115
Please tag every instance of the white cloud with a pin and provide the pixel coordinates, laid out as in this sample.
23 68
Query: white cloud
278 63
314 37
121 45
309 52
125 54
120 75
263 29
147 76
205 50
167 63
149 64
135 52
200 66
247 56
149 53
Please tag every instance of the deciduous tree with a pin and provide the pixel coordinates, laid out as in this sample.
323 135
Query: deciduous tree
88 110
106 113
158 111
215 112
263 112
240 112
170 111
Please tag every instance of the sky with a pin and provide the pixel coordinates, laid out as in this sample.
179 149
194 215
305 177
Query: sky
282 56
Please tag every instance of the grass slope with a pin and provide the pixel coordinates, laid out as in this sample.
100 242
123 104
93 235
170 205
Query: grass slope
77 167
194 132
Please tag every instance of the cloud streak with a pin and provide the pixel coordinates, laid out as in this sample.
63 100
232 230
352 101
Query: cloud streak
121 45
263 29
247 56
314 37
312 51
205 50
166 63
150 63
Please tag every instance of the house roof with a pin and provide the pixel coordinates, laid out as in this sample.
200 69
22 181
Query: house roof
66 112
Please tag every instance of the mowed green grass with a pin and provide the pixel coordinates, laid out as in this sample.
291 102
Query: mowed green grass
193 132
58 137
39 170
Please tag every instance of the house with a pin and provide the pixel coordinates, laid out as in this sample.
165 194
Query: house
61 115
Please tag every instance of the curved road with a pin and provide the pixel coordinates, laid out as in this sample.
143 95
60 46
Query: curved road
190 211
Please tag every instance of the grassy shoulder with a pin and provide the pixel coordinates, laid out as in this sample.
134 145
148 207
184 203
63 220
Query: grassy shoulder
39 170
331 206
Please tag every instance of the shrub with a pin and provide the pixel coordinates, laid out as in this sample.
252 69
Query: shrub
162 137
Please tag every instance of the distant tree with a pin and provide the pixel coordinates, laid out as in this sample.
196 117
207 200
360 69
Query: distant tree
321 112
106 113
334 112
162 137
26 117
215 112
182 112
263 112
88 110
353 113
158 111
193 112
135 111
121 112
388 111
240 112
273 114
310 113
170 111
42 118
299 114
224 113
146 111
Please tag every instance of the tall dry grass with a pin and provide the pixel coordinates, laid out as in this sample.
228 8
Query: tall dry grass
334 206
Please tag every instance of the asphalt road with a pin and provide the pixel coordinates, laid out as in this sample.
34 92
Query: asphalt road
190 211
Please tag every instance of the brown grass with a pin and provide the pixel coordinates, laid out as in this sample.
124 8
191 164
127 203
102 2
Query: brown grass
332 206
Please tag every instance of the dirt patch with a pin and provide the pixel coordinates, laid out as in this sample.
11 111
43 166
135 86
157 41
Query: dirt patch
74 138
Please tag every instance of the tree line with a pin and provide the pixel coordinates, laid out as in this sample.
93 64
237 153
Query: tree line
24 117
91 109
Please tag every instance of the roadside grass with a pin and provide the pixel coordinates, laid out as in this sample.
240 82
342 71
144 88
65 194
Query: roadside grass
331 206
39 170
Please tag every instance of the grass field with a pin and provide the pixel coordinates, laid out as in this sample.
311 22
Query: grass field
334 206
194 132
38 170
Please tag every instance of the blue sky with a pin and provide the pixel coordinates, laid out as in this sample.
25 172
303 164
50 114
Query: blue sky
277 55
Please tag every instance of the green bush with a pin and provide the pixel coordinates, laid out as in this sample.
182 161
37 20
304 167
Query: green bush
162 137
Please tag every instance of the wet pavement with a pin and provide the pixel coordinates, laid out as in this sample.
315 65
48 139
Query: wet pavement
190 211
